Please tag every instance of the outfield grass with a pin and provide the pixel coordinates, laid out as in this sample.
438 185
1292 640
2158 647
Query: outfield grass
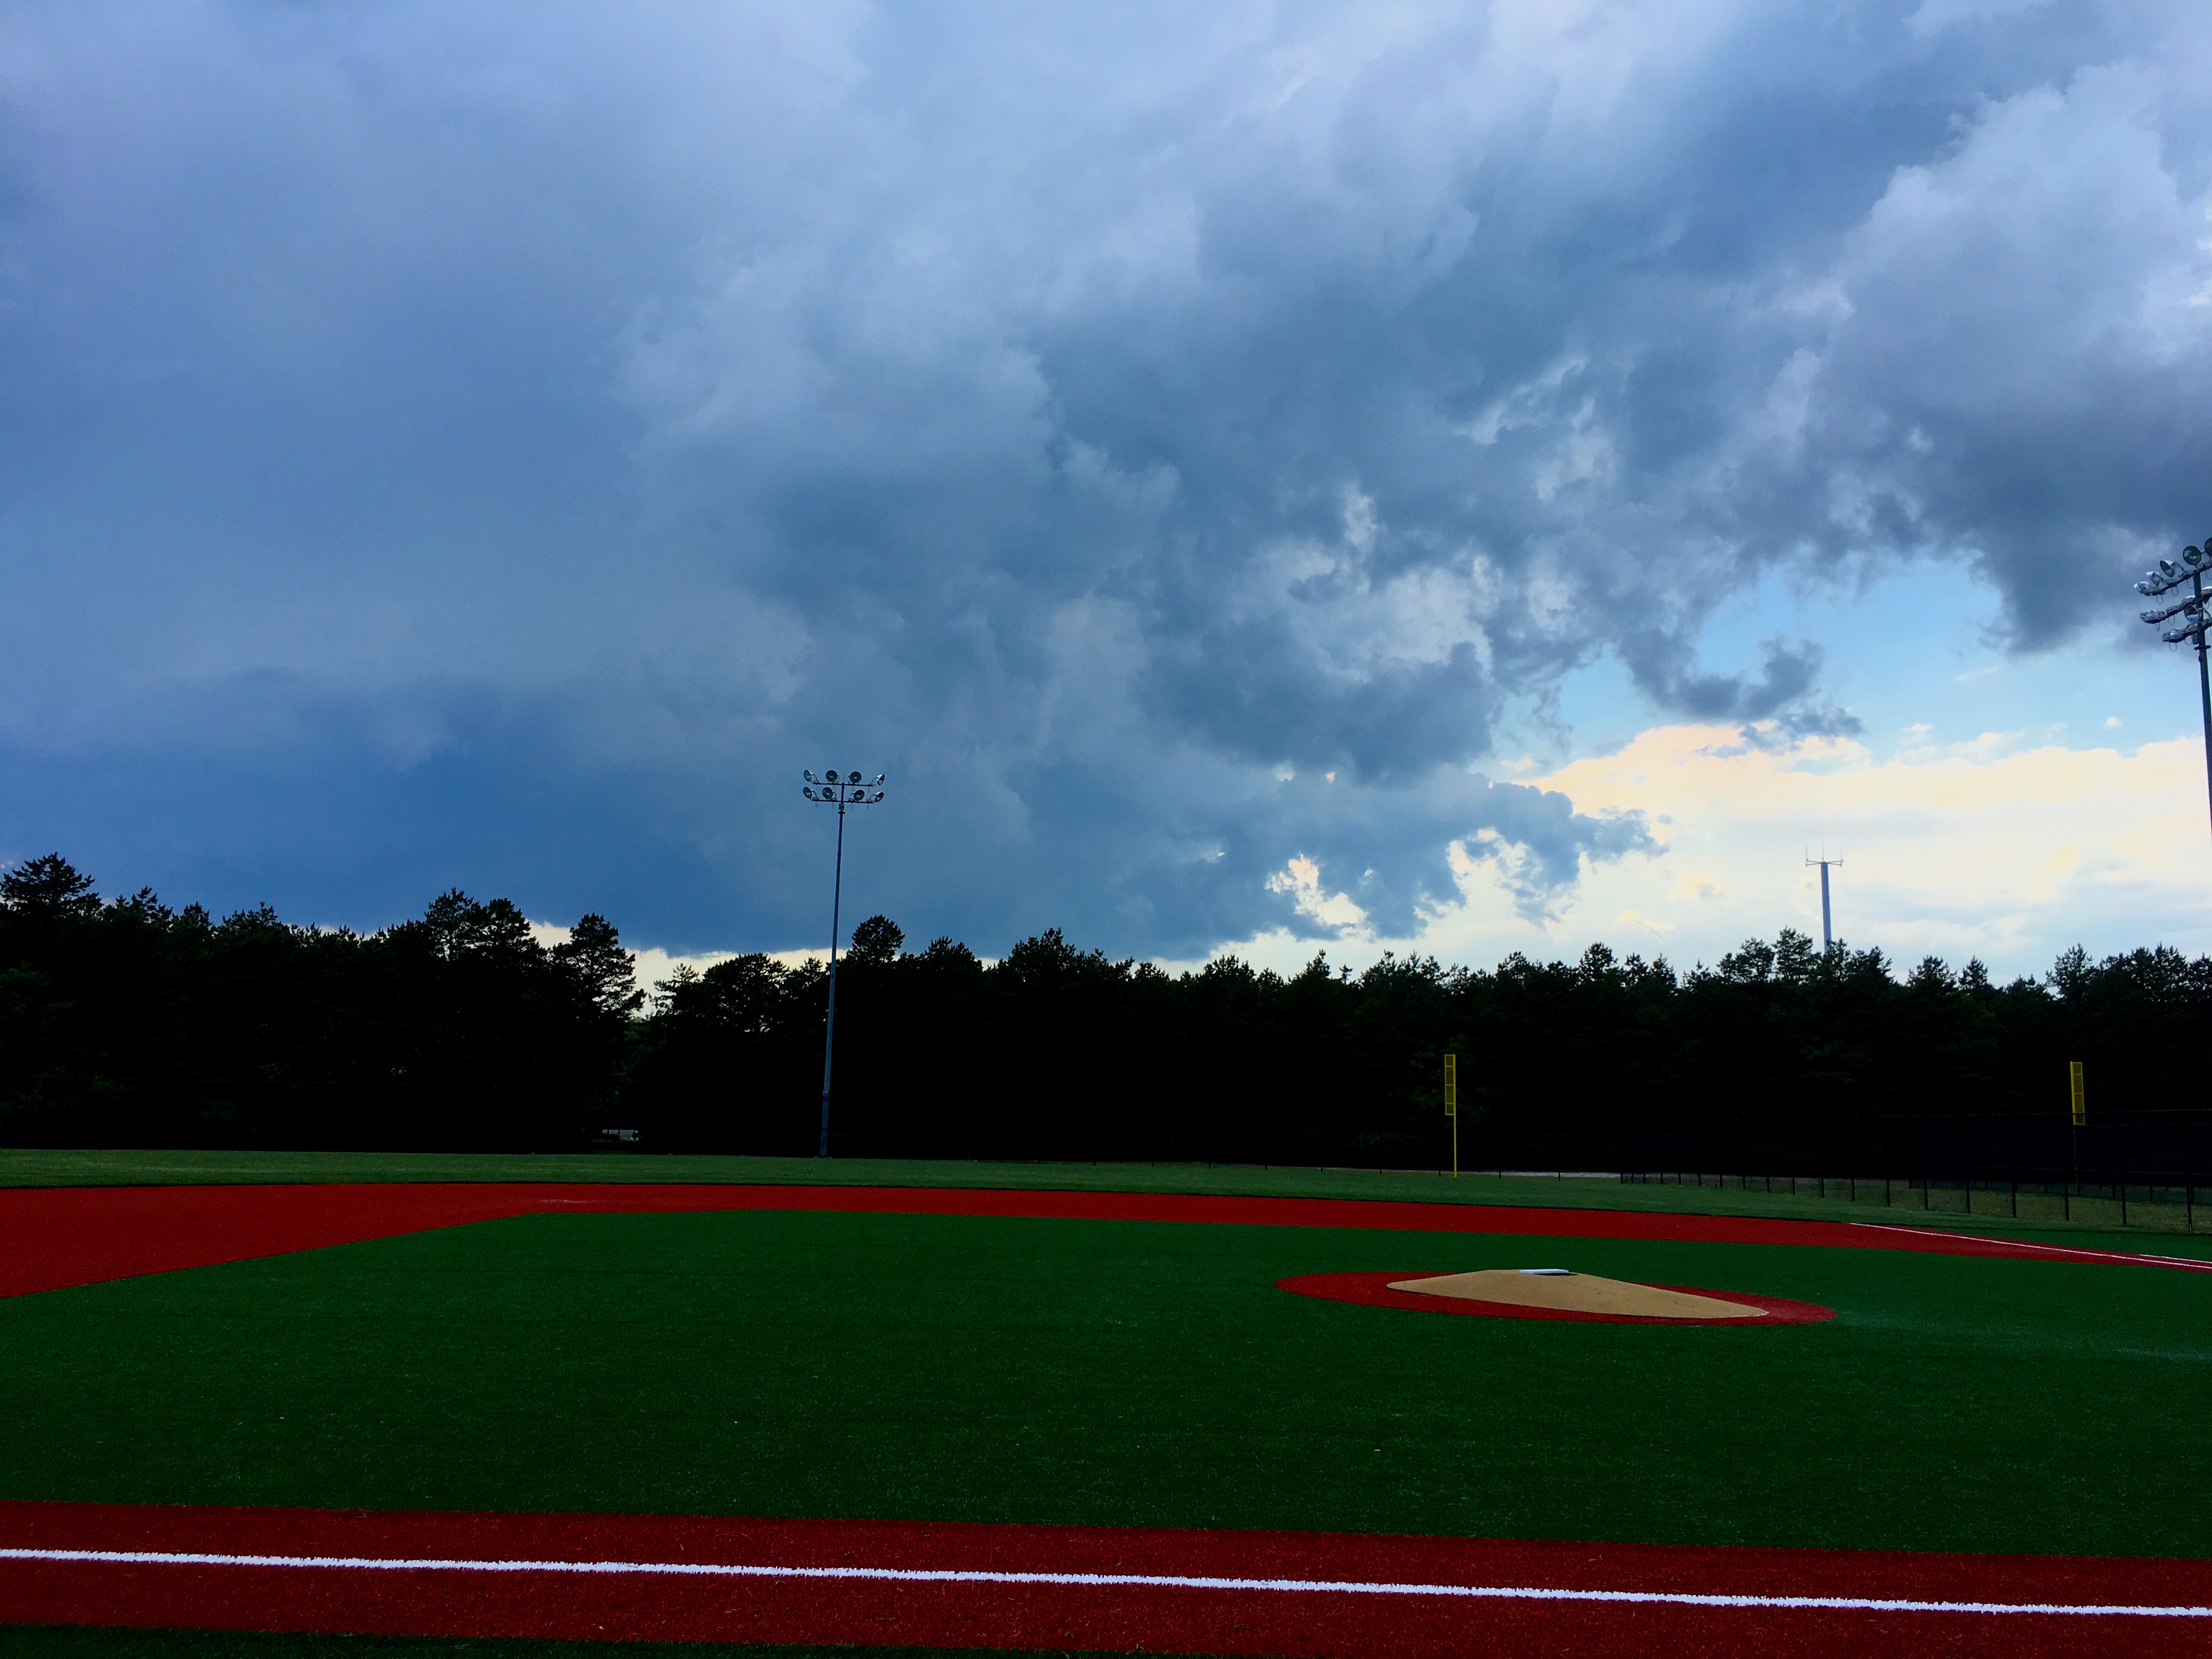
2096 1225
989 1369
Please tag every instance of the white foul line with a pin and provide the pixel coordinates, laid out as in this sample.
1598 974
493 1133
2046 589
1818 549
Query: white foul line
1102 1580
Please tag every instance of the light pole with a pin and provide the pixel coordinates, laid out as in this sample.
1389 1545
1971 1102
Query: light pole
847 791
1827 925
2194 563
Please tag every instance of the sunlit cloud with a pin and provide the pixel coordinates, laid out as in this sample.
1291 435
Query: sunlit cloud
1993 847
1339 912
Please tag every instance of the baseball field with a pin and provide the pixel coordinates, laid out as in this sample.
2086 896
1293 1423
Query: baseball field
1045 1410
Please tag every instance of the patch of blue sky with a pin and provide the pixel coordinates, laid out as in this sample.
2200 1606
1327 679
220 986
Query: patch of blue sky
1916 657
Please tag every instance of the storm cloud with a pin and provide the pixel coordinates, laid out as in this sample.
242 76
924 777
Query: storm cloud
501 445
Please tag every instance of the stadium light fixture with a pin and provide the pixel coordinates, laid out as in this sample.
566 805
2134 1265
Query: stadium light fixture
840 791
2195 620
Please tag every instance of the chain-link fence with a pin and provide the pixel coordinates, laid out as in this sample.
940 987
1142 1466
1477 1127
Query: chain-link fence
2130 1170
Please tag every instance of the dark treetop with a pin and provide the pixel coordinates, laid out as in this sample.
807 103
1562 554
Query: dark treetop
126 1023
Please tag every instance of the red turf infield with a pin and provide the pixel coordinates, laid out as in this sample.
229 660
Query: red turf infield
53 1238
1343 1606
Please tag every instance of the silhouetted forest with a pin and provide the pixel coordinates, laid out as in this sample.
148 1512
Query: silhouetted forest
125 1023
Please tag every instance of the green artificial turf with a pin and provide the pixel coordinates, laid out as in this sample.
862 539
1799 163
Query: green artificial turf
978 1368
2095 1222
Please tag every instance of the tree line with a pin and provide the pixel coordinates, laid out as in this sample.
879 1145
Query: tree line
125 1023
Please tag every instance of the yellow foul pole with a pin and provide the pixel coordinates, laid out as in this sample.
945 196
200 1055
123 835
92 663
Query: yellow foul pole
1451 1104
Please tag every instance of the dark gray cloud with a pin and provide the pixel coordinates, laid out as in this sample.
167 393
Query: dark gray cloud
500 444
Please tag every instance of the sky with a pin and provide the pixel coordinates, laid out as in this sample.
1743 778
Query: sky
1268 478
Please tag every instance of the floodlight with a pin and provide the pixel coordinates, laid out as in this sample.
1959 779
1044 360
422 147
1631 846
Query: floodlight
2169 575
2194 609
832 790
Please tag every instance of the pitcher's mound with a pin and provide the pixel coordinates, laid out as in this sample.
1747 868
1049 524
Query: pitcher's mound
1555 1293
1577 1293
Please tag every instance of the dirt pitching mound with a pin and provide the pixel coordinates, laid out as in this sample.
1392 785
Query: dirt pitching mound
1572 1293
1555 1294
